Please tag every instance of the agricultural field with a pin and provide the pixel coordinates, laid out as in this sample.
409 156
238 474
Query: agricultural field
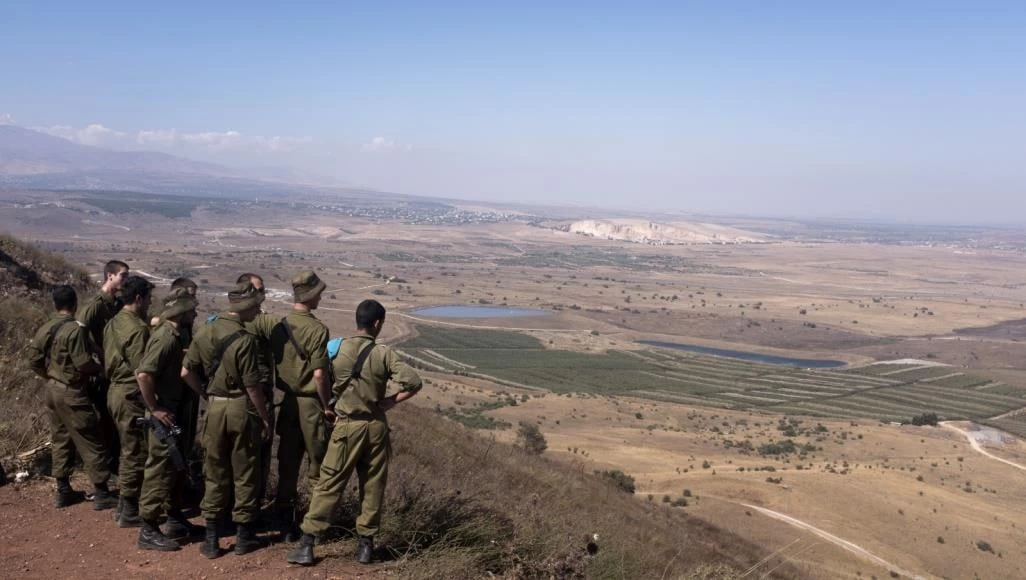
886 392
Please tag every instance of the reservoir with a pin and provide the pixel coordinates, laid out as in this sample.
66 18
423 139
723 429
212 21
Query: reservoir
812 363
473 311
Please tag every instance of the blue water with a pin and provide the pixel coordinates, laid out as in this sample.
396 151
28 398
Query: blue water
478 312
812 363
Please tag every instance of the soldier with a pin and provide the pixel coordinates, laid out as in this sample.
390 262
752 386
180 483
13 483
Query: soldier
188 420
359 441
163 391
262 326
189 287
299 343
60 352
228 357
124 342
95 315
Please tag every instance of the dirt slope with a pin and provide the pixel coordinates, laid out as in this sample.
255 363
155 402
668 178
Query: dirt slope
38 541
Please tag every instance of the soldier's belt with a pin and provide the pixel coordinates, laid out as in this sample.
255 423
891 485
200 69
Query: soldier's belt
220 398
361 416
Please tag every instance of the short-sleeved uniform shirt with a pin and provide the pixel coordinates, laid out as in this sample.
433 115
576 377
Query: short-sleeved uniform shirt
294 372
163 361
69 351
124 342
382 365
241 364
262 326
95 315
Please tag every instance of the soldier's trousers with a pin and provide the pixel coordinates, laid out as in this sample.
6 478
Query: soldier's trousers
231 439
301 427
125 408
98 391
162 486
357 444
75 425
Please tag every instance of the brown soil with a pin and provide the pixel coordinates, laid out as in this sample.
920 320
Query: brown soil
39 541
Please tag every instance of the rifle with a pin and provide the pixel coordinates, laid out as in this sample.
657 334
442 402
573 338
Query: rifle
167 436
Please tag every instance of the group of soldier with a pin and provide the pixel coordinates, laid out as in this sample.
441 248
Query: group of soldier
124 389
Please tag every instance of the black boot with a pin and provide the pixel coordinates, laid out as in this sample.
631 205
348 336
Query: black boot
365 550
130 513
66 495
180 528
246 540
150 538
303 553
210 546
103 499
118 508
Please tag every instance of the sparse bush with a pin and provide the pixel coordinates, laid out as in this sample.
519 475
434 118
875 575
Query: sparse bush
621 480
925 419
530 438
984 546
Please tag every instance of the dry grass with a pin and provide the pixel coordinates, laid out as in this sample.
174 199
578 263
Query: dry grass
464 505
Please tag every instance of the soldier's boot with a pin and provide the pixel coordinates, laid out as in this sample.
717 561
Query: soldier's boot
180 528
210 547
303 553
130 513
118 508
246 540
103 499
66 495
150 538
365 550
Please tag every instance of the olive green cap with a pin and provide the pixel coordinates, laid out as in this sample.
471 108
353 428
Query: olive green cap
306 286
178 301
244 297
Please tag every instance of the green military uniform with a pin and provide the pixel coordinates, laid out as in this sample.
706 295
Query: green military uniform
73 421
262 327
124 342
231 436
95 315
360 438
300 424
163 361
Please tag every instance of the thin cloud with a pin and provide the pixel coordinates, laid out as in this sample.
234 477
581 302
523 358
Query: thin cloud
6 119
101 136
383 145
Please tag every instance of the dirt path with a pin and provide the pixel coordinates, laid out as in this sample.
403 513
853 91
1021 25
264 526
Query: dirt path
977 447
39 541
849 546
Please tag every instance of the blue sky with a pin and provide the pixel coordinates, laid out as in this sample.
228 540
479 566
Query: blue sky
905 110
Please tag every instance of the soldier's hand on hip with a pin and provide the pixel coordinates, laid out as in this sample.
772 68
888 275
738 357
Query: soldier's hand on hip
330 416
387 403
164 416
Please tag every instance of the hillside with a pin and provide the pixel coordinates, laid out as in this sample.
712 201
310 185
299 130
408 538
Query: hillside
459 504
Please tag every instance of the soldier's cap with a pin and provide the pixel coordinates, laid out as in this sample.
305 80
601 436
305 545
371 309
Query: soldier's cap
306 286
244 297
178 301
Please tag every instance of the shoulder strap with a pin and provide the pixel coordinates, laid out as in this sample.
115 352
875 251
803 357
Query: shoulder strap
362 358
357 366
50 336
303 355
215 363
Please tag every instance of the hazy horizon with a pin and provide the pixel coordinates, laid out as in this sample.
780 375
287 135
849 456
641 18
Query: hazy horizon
908 113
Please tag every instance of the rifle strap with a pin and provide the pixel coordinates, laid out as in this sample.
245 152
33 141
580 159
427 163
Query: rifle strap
215 363
303 355
358 365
